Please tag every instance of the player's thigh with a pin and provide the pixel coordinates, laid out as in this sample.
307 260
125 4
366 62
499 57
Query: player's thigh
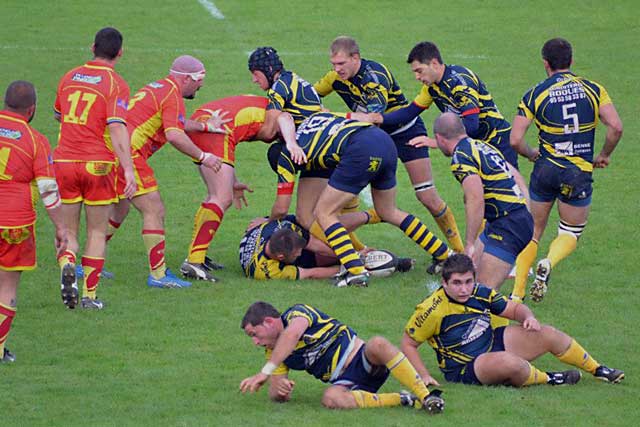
540 212
220 184
499 368
338 397
419 170
309 190
492 271
571 214
524 343
330 203
149 204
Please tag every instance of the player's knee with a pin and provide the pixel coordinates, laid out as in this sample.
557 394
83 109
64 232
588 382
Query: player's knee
570 229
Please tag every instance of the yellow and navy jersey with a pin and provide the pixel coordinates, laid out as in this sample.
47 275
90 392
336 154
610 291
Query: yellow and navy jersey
501 192
253 259
372 90
323 348
294 95
462 92
458 332
323 137
565 109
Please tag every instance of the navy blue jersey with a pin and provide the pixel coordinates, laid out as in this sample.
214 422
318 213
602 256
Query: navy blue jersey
501 193
565 109
372 90
323 348
254 261
457 332
462 92
294 95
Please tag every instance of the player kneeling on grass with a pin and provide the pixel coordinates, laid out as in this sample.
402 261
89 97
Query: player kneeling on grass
283 249
455 322
304 338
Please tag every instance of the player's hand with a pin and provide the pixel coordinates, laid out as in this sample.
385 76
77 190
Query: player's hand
61 240
534 154
284 389
216 122
238 195
297 154
361 117
130 186
601 161
256 222
423 141
364 251
253 384
211 161
470 251
531 324
429 380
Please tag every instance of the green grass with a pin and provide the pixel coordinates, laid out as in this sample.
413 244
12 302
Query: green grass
156 357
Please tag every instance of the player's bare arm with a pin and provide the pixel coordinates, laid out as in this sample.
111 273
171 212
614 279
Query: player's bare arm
409 347
519 128
610 118
474 210
521 314
122 147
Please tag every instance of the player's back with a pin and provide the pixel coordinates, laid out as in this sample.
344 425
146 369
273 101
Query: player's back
89 97
153 110
501 193
565 108
294 95
24 156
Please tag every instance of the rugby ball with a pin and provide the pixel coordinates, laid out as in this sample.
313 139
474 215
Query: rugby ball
380 263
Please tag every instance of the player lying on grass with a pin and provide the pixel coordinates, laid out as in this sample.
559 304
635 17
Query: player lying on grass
305 338
283 249
247 119
454 320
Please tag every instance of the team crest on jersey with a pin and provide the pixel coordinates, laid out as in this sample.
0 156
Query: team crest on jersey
10 133
374 164
15 236
85 78
122 103
181 118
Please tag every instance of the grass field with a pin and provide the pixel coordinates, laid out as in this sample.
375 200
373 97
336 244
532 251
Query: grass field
156 357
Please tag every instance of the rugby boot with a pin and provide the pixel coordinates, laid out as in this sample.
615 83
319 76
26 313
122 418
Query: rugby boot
610 375
197 271
169 280
211 264
564 378
69 286
539 285
348 279
433 403
91 304
7 356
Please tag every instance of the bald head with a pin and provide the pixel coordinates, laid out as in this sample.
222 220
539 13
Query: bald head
186 64
449 126
20 96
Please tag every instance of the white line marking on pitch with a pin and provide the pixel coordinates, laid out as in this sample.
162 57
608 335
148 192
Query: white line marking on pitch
213 10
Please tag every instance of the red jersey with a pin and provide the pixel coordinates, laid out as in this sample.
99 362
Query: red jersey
25 156
155 109
89 98
246 111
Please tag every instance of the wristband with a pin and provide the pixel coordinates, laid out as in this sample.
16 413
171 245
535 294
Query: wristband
348 115
202 156
268 368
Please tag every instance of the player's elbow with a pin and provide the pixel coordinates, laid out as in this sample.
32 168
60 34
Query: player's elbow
616 129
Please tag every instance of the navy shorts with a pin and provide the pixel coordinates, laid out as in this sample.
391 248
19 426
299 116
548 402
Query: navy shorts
407 153
507 236
501 143
570 185
316 173
467 374
362 375
369 157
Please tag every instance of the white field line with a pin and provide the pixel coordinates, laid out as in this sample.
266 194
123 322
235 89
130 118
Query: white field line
211 8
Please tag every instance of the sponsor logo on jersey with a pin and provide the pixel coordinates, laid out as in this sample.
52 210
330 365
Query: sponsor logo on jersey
10 133
155 85
85 78
423 316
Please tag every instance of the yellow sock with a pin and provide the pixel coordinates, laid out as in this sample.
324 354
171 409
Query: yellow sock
447 223
419 233
317 232
577 356
403 371
365 399
497 321
561 247
524 262
7 314
155 243
341 245
357 244
374 218
536 376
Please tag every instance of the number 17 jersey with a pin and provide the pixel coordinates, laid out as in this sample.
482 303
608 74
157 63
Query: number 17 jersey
89 98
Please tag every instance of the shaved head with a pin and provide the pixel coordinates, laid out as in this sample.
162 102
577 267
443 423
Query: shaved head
187 64
449 126
20 95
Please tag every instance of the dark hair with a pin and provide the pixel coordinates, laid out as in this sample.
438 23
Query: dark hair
558 53
285 241
20 95
107 43
424 52
257 312
265 59
457 263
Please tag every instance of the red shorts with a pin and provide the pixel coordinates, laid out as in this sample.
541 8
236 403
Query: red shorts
93 183
223 146
18 248
145 178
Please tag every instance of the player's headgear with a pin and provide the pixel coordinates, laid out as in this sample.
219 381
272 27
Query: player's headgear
265 59
273 154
